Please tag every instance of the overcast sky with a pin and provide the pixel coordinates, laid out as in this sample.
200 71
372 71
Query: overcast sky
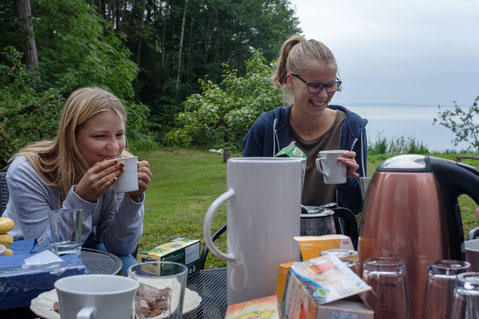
399 51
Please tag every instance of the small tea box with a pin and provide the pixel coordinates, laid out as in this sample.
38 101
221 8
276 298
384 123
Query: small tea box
312 246
324 287
181 250
261 308
281 281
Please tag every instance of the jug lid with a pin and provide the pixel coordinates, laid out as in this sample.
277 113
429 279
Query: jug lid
405 163
315 211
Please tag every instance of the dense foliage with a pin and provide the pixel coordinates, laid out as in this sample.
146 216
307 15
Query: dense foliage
222 114
176 42
463 123
150 53
70 57
26 114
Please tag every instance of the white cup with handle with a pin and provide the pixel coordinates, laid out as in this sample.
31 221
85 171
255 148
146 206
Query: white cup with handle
96 296
333 171
128 181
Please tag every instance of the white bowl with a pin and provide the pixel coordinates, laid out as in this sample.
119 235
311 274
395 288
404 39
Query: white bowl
2 249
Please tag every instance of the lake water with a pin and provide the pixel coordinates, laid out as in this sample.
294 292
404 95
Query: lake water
393 122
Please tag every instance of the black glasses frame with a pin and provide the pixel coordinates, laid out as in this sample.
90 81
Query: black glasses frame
331 85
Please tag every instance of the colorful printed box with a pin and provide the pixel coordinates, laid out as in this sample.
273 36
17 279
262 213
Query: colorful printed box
262 308
181 250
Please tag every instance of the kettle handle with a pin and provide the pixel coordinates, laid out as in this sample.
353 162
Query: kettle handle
350 223
318 167
473 234
207 225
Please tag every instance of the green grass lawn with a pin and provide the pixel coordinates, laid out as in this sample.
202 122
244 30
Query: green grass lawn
185 183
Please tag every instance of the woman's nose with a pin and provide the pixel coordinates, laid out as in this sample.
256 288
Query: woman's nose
113 145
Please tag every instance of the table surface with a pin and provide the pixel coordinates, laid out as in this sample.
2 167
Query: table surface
101 262
97 262
210 284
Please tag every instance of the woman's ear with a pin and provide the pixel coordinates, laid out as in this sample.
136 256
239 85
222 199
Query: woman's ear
289 80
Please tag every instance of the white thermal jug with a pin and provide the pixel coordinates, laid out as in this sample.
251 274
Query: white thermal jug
263 216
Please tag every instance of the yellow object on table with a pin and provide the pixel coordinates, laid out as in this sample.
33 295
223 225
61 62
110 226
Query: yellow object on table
6 239
8 252
6 224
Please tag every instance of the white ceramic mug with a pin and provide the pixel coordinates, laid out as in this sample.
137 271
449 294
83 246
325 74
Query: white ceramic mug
128 181
96 296
472 253
263 216
333 171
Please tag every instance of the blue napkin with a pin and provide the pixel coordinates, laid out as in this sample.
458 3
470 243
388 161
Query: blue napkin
19 284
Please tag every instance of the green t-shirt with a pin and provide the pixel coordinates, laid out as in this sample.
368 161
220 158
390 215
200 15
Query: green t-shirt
315 192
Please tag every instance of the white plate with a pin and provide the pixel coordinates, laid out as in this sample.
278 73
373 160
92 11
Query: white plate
42 306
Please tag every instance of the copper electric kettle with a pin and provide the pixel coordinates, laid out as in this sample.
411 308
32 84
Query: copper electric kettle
411 212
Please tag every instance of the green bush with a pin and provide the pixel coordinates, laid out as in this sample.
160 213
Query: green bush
26 114
223 113
463 123
396 145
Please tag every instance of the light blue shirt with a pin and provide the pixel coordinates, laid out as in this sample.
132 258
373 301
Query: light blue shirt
115 219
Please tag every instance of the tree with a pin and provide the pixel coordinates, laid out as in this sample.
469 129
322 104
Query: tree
223 113
24 14
463 123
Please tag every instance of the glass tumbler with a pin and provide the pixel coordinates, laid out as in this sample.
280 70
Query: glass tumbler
347 256
389 297
466 296
441 276
161 291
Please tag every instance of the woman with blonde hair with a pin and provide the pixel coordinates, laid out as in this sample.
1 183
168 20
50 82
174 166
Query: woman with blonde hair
307 70
76 170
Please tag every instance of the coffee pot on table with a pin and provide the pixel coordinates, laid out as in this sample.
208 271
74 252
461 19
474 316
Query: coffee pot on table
263 216
411 213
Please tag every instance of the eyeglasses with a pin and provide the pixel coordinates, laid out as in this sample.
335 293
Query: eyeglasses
317 87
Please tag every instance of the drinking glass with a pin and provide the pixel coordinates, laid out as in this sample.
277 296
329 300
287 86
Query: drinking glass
162 289
466 296
66 231
441 276
387 277
347 256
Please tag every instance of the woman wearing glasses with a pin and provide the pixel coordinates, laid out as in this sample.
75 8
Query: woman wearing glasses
307 70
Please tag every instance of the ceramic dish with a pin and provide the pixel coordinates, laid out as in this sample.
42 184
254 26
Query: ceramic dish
42 306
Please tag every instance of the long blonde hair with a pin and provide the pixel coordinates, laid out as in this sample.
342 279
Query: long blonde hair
296 55
59 161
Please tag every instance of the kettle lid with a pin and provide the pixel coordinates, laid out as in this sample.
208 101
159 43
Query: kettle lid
315 211
405 163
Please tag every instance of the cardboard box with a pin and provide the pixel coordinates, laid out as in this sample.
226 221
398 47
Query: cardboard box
281 281
181 250
305 298
312 246
261 308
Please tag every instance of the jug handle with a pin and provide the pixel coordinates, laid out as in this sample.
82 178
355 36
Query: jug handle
318 167
207 225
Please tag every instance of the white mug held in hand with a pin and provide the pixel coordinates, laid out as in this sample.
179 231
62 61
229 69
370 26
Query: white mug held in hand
333 171
128 181
96 296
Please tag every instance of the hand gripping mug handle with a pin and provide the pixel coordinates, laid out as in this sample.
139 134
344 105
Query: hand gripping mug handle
207 225
318 167
86 313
